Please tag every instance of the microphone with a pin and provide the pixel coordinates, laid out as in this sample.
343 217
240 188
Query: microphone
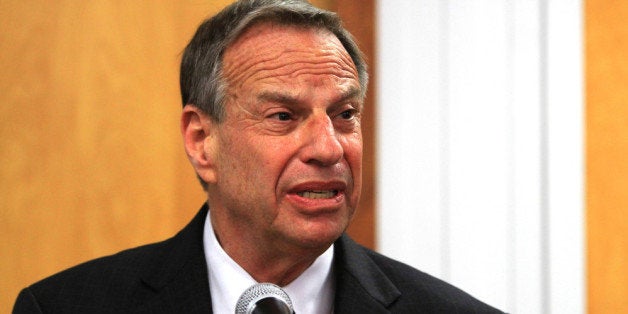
264 298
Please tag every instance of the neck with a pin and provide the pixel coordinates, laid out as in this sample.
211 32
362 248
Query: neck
265 259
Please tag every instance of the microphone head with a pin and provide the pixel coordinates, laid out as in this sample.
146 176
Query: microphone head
264 298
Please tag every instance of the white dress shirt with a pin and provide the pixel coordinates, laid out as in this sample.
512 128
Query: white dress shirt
311 293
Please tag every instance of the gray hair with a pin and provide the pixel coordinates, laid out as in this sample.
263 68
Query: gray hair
201 81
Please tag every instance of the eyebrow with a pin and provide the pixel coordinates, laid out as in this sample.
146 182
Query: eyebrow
278 97
288 99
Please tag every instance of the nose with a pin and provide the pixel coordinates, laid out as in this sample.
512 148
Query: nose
321 144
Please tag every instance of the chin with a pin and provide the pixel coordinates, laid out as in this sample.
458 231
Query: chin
319 238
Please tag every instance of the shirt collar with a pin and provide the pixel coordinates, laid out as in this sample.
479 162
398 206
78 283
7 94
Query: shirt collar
311 292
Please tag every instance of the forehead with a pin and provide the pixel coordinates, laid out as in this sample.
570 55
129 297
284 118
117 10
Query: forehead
272 50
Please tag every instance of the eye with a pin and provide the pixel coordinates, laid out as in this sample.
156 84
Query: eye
282 116
348 114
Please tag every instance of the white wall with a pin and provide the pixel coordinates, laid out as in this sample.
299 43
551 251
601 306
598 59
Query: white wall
480 147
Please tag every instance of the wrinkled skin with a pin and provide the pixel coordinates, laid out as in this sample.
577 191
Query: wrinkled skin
284 165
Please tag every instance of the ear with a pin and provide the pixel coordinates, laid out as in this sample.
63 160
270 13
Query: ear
199 140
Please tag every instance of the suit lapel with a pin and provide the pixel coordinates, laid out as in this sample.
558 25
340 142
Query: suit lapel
361 286
179 282
178 276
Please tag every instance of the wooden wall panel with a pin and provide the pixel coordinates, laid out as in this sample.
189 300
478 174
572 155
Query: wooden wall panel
607 154
91 160
359 18
91 156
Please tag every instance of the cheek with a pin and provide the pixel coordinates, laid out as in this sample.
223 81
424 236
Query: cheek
273 159
353 153
234 166
253 161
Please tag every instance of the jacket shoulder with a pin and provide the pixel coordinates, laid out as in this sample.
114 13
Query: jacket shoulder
101 283
418 292
161 277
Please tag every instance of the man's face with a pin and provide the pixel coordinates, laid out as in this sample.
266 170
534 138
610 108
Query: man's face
288 152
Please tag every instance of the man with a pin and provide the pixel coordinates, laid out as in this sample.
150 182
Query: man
272 93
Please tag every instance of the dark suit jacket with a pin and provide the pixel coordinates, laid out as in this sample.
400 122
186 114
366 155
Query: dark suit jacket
171 277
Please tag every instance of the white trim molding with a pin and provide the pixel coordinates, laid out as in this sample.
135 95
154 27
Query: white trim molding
480 143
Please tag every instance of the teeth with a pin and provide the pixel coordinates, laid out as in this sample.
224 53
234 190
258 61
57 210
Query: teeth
318 194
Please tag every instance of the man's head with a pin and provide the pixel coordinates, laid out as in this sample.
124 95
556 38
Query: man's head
201 78
280 145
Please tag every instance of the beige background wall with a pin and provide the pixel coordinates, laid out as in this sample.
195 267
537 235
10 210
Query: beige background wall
91 157
91 160
90 154
607 154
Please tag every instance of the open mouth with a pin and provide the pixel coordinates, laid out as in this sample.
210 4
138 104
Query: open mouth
318 194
